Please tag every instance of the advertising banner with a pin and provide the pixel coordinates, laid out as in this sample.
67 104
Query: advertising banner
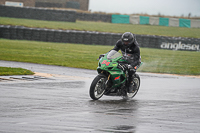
173 22
124 19
164 21
144 20
134 19
184 23
180 46
154 20
195 23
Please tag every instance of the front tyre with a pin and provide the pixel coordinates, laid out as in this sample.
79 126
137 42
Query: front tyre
98 87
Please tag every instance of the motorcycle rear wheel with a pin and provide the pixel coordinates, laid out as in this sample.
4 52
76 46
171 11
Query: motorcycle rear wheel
137 81
98 87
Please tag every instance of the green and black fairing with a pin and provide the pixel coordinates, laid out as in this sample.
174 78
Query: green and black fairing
108 66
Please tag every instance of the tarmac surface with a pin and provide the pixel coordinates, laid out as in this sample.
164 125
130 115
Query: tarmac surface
57 100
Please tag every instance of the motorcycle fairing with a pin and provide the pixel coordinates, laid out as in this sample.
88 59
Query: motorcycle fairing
110 67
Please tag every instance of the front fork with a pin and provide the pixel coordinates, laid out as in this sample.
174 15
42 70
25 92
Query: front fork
123 87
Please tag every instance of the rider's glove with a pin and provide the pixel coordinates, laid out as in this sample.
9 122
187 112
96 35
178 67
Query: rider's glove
123 67
133 69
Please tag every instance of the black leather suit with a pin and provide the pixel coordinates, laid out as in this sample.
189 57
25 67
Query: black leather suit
132 50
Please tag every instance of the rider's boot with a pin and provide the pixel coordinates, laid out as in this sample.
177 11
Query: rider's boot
132 86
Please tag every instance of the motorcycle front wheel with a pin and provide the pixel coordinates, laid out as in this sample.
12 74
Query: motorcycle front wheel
98 87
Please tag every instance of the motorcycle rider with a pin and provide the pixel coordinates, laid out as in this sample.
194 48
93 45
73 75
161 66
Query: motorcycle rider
130 49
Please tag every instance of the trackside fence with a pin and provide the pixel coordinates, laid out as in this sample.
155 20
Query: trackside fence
95 38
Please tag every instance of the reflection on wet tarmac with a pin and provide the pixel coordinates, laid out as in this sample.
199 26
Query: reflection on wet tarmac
116 107
114 115
162 105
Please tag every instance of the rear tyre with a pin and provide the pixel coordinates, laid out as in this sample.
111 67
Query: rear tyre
137 81
98 87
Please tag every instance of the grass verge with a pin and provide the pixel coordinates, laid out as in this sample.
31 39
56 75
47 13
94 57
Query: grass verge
105 27
85 56
6 71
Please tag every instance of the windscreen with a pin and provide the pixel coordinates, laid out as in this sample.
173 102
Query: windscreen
113 54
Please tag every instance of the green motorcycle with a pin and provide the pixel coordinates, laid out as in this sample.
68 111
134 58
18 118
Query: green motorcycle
112 79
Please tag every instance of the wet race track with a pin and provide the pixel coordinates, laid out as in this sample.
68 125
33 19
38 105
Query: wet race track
60 102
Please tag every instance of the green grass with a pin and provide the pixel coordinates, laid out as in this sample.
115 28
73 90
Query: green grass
171 62
85 56
105 27
5 71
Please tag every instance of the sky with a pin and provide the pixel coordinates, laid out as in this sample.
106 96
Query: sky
151 7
